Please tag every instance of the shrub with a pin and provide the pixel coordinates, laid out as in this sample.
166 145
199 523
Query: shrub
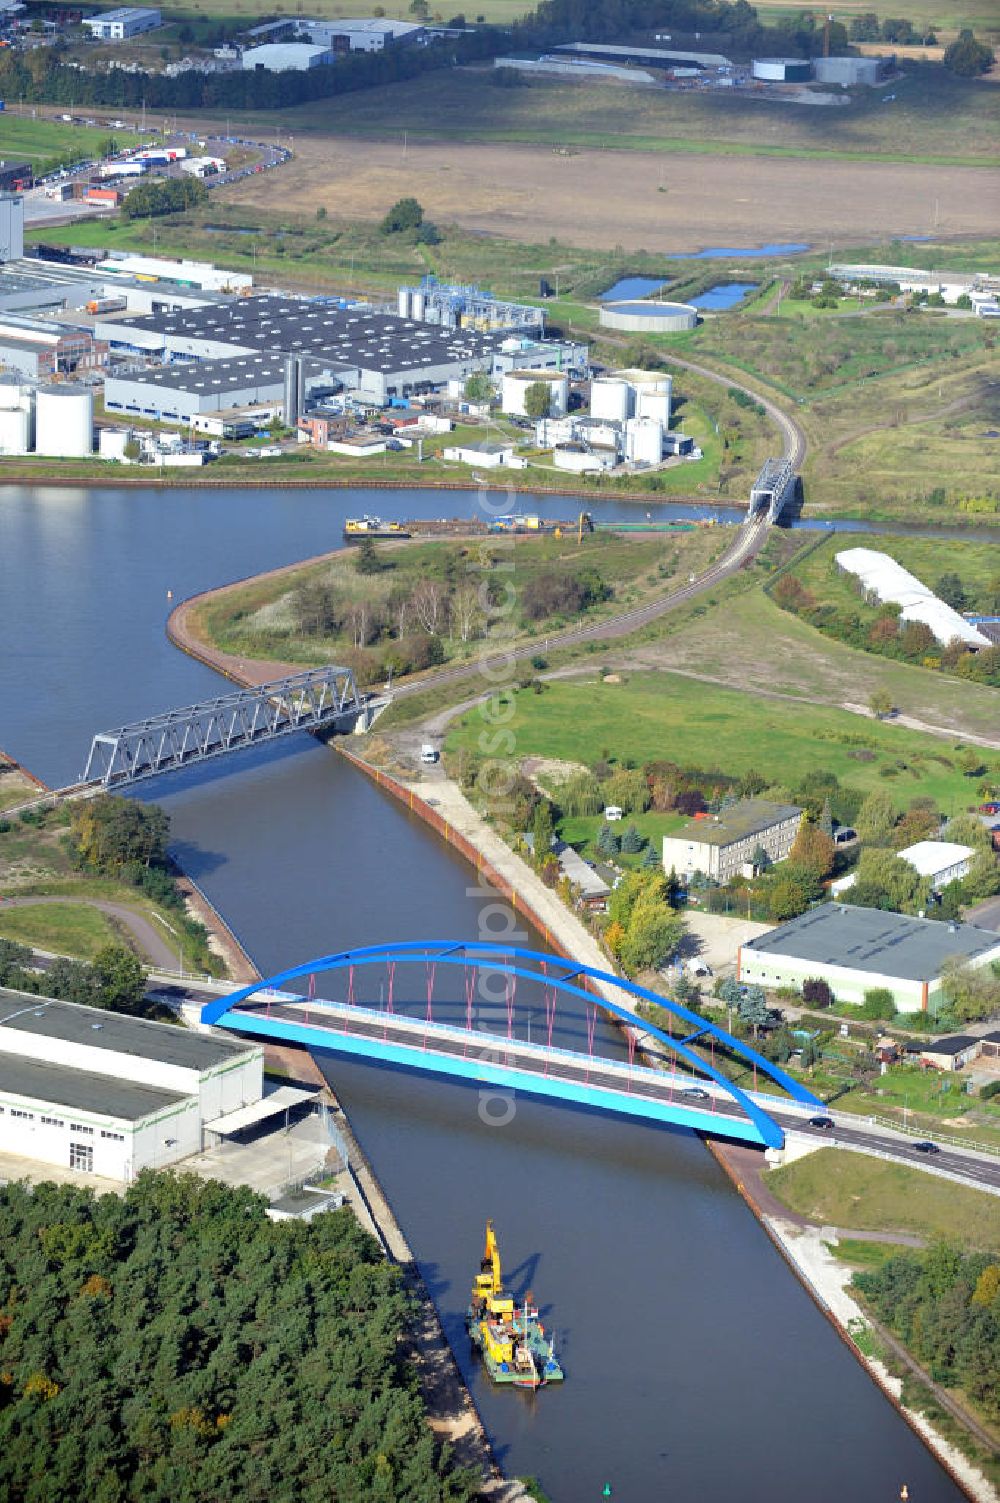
816 992
879 1004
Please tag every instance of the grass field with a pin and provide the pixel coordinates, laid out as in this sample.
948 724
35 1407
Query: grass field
750 643
63 928
43 142
662 715
928 1102
836 1188
934 116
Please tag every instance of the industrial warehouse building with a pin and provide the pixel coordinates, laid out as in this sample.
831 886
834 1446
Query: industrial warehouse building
112 1095
119 25
855 950
375 354
720 846
38 349
177 393
11 227
287 57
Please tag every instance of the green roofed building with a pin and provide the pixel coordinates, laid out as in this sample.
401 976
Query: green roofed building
855 950
722 845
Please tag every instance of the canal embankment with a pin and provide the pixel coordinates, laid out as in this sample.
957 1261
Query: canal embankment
806 1248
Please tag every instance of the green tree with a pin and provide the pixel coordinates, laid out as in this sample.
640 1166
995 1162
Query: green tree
112 832
538 400
632 841
876 818
885 880
653 934
812 851
972 992
478 387
543 829
952 591
369 560
880 703
405 214
121 980
967 57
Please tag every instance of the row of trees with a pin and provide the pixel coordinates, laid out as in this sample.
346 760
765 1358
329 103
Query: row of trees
173 1343
175 194
41 75
945 1306
114 980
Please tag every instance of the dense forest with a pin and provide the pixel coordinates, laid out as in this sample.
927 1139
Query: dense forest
175 1346
945 1306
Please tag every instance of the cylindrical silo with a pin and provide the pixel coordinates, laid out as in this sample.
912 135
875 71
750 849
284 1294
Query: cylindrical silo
10 393
15 431
643 441
64 421
291 401
653 404
417 302
610 400
403 302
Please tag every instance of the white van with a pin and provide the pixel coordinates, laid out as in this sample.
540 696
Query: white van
428 753
612 813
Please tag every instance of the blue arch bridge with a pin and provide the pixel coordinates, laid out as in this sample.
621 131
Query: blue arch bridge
519 1020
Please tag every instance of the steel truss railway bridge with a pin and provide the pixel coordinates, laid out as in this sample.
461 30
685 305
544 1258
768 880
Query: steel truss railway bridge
774 488
414 1029
319 699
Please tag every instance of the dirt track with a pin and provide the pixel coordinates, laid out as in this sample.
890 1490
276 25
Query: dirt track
607 198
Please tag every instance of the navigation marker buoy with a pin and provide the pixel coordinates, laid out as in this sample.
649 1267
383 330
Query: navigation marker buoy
606 1490
170 594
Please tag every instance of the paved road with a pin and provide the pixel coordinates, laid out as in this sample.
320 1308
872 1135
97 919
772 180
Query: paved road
151 943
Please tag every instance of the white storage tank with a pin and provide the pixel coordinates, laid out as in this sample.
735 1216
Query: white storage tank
15 431
417 302
643 441
516 385
10 393
403 302
64 421
781 69
654 404
612 400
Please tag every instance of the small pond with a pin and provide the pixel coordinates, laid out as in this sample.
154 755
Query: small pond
723 295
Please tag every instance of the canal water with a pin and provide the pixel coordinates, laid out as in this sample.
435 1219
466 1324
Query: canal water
697 1368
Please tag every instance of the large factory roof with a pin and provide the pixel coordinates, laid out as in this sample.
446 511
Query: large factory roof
72 1089
869 939
96 1029
221 375
357 337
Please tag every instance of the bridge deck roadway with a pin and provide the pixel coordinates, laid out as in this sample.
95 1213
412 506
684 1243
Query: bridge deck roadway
609 1084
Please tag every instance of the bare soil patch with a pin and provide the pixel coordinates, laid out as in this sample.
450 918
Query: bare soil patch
606 198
